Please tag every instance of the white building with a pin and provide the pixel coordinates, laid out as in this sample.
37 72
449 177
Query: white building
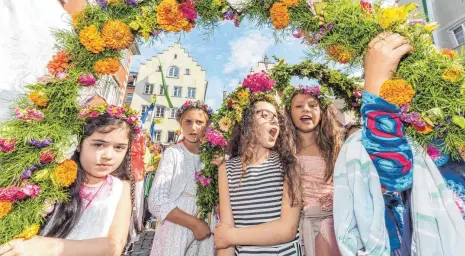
185 79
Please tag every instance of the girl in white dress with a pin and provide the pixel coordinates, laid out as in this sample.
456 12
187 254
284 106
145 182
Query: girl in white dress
95 220
173 194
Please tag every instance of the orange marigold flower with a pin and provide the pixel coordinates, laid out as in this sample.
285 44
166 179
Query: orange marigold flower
117 35
5 208
279 16
290 3
169 17
91 39
453 74
339 53
425 129
189 27
29 232
448 52
59 63
65 173
39 98
397 91
106 66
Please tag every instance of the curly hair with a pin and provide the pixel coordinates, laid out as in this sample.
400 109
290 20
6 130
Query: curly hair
244 138
330 136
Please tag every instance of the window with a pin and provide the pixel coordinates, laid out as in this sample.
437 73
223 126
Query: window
173 113
162 91
128 98
175 56
188 71
191 93
171 137
160 111
142 109
459 34
177 91
148 89
173 72
157 135
159 69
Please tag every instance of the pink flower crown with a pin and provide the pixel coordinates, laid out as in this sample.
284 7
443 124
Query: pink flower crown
124 113
189 104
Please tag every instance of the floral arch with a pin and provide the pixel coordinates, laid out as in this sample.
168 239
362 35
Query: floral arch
33 168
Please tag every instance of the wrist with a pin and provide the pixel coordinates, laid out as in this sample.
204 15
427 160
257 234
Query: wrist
231 236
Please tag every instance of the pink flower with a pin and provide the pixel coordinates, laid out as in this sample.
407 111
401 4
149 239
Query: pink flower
33 114
47 157
61 75
93 114
132 119
19 113
115 111
297 33
8 194
215 138
7 145
204 181
366 7
313 90
86 80
433 152
188 10
31 190
357 94
355 104
258 82
137 130
45 79
20 194
186 104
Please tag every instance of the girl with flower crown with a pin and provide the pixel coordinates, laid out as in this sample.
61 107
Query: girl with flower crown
95 220
172 198
319 138
258 201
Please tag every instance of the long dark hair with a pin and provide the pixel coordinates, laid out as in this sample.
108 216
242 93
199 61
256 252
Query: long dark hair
66 215
330 137
244 139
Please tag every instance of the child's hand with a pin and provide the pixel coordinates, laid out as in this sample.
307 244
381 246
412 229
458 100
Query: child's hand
35 246
382 58
218 161
221 236
201 230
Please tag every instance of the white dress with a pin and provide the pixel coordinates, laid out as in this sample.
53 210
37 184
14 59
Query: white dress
98 216
174 186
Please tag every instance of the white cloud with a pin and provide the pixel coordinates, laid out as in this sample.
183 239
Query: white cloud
247 51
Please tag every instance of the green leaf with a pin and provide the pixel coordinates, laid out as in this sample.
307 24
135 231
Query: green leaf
459 120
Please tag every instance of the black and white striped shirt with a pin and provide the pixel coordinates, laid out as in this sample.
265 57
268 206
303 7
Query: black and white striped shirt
256 198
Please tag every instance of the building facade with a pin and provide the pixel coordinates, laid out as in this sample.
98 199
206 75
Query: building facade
450 14
185 79
112 88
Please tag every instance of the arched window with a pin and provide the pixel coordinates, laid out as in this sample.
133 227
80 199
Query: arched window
173 71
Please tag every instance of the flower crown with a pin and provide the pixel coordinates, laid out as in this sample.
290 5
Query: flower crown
189 104
320 92
124 113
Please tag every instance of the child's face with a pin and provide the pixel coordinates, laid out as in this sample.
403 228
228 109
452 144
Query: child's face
193 124
266 121
305 112
103 153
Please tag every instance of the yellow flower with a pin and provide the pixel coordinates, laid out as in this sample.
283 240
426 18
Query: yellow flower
243 95
225 124
279 16
75 19
106 66
5 208
398 92
29 232
39 98
169 17
117 35
90 38
238 116
389 16
453 74
65 173
431 26
290 3
114 1
216 2
178 131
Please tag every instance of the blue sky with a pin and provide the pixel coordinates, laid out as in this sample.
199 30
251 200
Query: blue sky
229 53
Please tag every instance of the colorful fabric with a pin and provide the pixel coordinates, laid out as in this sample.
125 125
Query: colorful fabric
384 140
359 214
454 176
137 158
394 213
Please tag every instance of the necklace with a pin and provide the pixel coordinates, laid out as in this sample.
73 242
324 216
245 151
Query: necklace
95 195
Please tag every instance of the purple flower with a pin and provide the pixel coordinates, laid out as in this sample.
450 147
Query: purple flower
229 15
40 144
416 21
61 75
236 20
330 27
26 174
103 3
132 3
155 32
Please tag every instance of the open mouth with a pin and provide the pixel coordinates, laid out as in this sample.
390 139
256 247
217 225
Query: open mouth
306 118
273 132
